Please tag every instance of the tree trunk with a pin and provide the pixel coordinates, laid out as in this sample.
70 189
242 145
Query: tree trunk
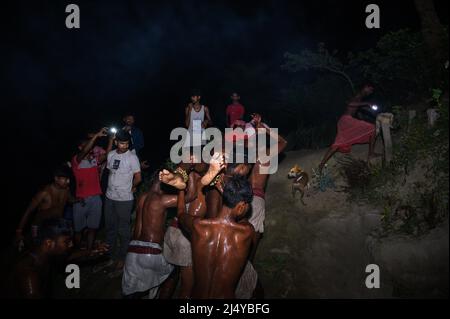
434 38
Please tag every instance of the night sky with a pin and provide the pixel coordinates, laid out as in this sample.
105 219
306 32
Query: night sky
146 57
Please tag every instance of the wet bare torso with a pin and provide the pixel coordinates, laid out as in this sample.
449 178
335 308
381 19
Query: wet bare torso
214 202
220 251
197 207
351 110
151 215
31 277
52 204
257 179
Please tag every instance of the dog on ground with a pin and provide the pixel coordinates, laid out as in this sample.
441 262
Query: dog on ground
300 181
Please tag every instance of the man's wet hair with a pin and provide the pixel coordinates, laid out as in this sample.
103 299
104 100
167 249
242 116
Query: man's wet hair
232 166
62 171
237 189
123 136
52 229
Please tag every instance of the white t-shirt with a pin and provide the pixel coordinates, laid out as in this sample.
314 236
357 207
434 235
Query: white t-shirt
121 167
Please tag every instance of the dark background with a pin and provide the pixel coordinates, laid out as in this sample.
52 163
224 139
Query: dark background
145 57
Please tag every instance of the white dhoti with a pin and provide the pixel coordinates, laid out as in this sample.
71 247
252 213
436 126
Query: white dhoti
258 214
247 283
177 248
145 268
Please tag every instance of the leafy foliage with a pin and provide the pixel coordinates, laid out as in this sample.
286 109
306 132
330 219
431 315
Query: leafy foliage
356 172
321 181
321 60
396 65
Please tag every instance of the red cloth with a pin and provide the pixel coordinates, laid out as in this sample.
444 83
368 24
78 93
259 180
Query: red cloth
259 192
144 250
235 112
87 178
352 131
174 223
236 135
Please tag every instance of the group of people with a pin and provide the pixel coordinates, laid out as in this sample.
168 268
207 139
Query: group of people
208 247
216 196
54 211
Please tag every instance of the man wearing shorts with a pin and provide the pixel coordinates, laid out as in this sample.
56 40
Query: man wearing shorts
87 211
258 180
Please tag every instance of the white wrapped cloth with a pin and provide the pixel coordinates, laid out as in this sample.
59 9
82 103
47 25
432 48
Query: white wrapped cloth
145 268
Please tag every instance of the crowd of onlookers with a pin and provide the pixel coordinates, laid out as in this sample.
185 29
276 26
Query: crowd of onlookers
59 220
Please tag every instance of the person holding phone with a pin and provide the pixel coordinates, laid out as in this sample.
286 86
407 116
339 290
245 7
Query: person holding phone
87 211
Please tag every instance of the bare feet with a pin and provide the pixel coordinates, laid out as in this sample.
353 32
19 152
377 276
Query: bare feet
99 249
216 164
172 179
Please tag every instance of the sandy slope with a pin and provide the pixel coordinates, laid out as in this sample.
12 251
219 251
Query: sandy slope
321 250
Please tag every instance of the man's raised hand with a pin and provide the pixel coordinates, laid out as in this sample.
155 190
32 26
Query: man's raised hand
216 164
102 132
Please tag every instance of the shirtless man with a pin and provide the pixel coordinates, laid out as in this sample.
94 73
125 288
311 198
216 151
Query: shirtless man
48 203
218 173
177 246
145 266
220 246
31 274
258 181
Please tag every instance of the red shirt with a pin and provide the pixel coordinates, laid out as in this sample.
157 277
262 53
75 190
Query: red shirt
86 177
235 112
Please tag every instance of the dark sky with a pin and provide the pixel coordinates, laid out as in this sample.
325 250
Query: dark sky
145 57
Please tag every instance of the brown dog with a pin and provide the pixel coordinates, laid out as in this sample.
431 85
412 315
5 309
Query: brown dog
300 181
